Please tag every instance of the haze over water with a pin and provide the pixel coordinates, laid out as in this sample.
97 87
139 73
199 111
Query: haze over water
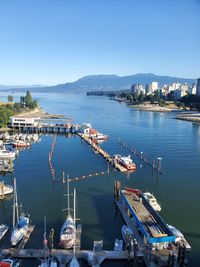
155 134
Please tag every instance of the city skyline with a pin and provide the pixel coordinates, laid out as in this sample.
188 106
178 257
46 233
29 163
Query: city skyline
53 42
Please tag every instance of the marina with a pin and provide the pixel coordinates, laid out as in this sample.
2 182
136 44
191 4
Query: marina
61 141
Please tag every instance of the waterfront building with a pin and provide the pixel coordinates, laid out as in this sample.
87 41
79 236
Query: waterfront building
24 121
198 87
179 93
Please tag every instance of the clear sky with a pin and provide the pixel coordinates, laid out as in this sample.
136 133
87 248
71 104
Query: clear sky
56 41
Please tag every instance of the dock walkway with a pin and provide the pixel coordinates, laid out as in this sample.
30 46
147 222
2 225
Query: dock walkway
102 152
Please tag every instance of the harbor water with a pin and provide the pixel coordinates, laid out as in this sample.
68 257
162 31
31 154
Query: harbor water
155 134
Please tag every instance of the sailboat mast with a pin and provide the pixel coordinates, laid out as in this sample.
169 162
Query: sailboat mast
14 203
74 248
68 204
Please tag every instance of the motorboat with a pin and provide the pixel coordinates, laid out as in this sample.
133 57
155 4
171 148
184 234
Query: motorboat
152 201
20 222
3 230
21 144
9 263
5 189
125 162
180 239
6 153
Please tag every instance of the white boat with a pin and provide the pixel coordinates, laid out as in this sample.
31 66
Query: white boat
125 162
152 201
5 153
20 223
9 263
5 189
180 239
98 137
67 239
21 144
3 230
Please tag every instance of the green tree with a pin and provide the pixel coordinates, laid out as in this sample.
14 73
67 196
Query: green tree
10 98
28 99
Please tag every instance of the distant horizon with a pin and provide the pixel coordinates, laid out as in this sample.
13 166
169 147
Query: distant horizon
64 82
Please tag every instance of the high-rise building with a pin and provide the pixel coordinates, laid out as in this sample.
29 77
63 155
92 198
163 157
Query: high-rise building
198 87
151 87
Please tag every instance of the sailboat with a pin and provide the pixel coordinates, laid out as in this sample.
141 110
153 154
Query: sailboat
74 262
20 222
47 262
67 238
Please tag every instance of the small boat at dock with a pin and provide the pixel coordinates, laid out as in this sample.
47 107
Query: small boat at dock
180 239
125 162
20 222
152 201
9 263
67 236
6 153
21 144
3 230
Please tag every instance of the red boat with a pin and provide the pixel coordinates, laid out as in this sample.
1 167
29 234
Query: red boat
125 162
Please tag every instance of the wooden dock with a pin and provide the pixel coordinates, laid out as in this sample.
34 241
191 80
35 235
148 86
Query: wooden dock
25 238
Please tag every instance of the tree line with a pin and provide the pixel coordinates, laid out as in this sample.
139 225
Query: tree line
10 109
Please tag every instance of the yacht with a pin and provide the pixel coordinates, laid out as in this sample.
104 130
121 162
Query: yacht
3 230
20 222
152 201
125 162
67 237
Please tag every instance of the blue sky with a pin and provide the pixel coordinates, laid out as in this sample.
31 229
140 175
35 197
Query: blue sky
56 41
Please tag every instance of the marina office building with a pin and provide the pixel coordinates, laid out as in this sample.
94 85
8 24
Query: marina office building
24 121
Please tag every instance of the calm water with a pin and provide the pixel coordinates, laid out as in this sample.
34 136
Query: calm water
156 134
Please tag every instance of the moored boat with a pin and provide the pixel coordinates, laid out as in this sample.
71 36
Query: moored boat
20 222
152 201
180 239
6 153
125 162
21 144
9 263
67 237
3 230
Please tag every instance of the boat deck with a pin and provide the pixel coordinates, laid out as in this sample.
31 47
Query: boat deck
148 220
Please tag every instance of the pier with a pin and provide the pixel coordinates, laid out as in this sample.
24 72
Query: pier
102 152
143 157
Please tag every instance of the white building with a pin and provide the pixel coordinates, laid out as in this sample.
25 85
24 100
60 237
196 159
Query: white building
151 87
138 88
24 121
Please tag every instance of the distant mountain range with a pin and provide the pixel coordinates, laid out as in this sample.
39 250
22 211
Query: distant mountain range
101 82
